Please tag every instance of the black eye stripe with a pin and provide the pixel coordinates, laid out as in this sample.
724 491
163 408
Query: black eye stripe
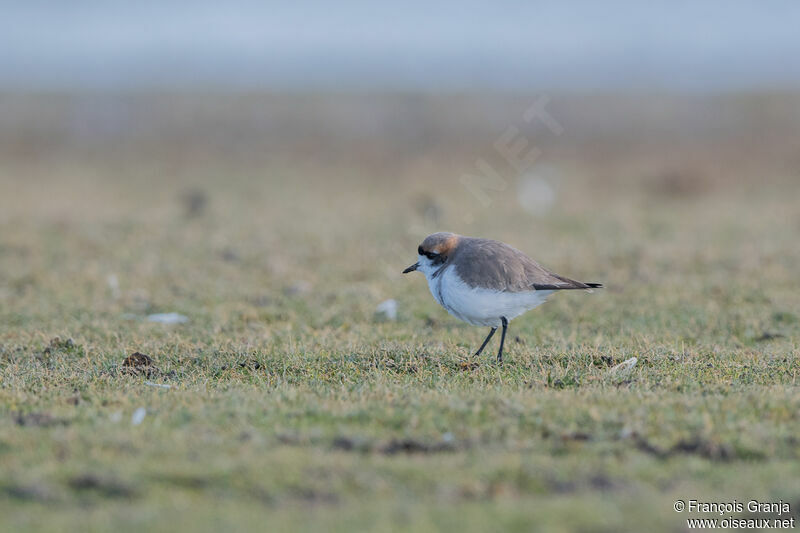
429 255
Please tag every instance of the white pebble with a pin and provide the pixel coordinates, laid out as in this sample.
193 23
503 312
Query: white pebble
388 309
536 194
113 284
168 318
625 366
138 416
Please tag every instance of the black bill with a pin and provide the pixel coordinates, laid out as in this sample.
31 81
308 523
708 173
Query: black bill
412 268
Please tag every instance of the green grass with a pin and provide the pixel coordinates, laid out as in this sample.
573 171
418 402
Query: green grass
292 406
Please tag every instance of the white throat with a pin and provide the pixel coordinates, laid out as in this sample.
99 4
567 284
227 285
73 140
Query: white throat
427 267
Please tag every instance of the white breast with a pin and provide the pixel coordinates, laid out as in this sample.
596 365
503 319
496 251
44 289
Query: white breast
478 306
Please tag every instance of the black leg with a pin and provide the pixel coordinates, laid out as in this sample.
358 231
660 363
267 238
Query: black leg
486 341
502 339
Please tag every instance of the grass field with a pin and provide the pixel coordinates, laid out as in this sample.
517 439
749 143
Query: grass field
276 224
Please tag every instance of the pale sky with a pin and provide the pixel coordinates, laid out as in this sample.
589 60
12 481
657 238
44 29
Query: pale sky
699 45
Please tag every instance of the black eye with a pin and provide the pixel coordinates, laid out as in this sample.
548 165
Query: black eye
430 255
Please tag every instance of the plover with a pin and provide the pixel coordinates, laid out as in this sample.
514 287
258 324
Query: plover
485 282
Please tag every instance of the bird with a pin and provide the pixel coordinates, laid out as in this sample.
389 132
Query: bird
486 282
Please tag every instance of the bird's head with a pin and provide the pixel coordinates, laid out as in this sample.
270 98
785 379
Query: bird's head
434 252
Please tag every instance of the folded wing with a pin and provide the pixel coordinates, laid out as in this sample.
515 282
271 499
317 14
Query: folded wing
495 265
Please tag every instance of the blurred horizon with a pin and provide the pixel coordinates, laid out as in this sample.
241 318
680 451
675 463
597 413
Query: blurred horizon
306 46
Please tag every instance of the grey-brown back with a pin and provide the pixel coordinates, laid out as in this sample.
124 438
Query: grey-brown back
495 265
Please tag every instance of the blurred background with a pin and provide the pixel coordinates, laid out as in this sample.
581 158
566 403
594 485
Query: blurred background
298 137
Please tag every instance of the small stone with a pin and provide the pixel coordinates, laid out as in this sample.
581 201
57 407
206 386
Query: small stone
138 416
625 366
168 318
138 363
299 287
387 309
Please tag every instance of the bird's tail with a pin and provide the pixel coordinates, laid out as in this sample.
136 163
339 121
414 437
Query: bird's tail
565 284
